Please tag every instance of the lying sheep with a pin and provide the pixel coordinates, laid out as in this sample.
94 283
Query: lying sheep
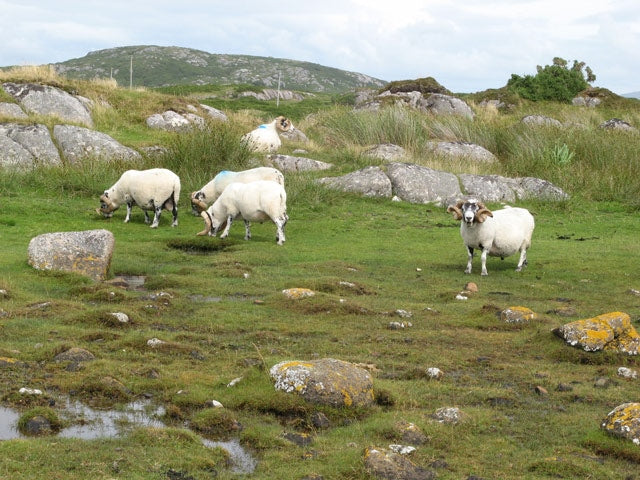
500 233
152 189
266 138
201 199
254 202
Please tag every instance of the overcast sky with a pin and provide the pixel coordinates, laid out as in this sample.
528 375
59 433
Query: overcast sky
466 45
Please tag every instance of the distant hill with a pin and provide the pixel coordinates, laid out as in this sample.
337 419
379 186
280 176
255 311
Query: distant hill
631 95
155 66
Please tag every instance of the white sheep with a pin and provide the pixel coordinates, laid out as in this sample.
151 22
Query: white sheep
266 138
201 199
254 202
152 189
500 233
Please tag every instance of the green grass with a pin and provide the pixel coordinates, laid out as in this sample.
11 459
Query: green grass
398 256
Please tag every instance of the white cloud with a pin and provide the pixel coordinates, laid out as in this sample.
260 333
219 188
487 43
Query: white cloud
466 46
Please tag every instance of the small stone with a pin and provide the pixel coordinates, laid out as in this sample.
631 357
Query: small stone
234 382
155 342
627 372
214 404
471 287
517 315
461 297
402 449
541 391
297 293
122 317
30 391
403 313
564 387
434 372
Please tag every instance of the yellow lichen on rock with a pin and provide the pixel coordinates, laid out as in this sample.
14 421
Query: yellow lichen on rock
517 315
624 421
297 293
609 331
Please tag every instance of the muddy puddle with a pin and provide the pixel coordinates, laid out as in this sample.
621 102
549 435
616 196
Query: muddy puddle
89 423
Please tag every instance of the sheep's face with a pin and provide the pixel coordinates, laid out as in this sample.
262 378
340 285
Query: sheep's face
106 206
472 210
283 124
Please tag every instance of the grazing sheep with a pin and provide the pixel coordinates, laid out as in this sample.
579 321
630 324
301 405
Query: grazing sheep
500 233
254 202
201 199
152 189
266 137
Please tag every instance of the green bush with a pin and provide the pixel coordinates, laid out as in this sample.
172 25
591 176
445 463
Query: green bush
552 82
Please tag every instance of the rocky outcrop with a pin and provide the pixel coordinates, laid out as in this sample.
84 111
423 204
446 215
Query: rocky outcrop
385 151
465 150
288 163
541 120
435 103
78 143
418 184
370 182
47 100
610 331
86 253
389 465
325 382
617 124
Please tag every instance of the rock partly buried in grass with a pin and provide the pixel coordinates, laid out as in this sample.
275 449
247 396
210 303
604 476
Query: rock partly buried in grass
388 465
517 315
624 421
75 354
610 331
296 293
86 253
327 382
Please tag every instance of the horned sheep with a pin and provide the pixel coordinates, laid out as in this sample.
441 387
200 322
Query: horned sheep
500 233
254 202
266 138
201 199
154 189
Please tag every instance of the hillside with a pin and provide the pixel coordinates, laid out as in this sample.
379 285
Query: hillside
155 66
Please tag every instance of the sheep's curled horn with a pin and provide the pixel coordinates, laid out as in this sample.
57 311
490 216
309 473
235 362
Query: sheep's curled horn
456 210
199 203
207 223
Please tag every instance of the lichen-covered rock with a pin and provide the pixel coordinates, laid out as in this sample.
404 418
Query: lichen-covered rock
417 184
624 421
448 415
78 143
86 253
609 331
48 100
369 181
297 293
288 163
326 382
387 465
517 315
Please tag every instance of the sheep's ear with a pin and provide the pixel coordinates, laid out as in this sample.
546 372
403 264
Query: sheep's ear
483 213
457 213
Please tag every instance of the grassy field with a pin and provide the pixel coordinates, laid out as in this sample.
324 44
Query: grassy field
223 315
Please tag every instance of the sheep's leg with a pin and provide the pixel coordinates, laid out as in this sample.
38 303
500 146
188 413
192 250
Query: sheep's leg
226 229
247 230
156 217
523 260
469 259
147 220
483 259
129 207
174 211
280 223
